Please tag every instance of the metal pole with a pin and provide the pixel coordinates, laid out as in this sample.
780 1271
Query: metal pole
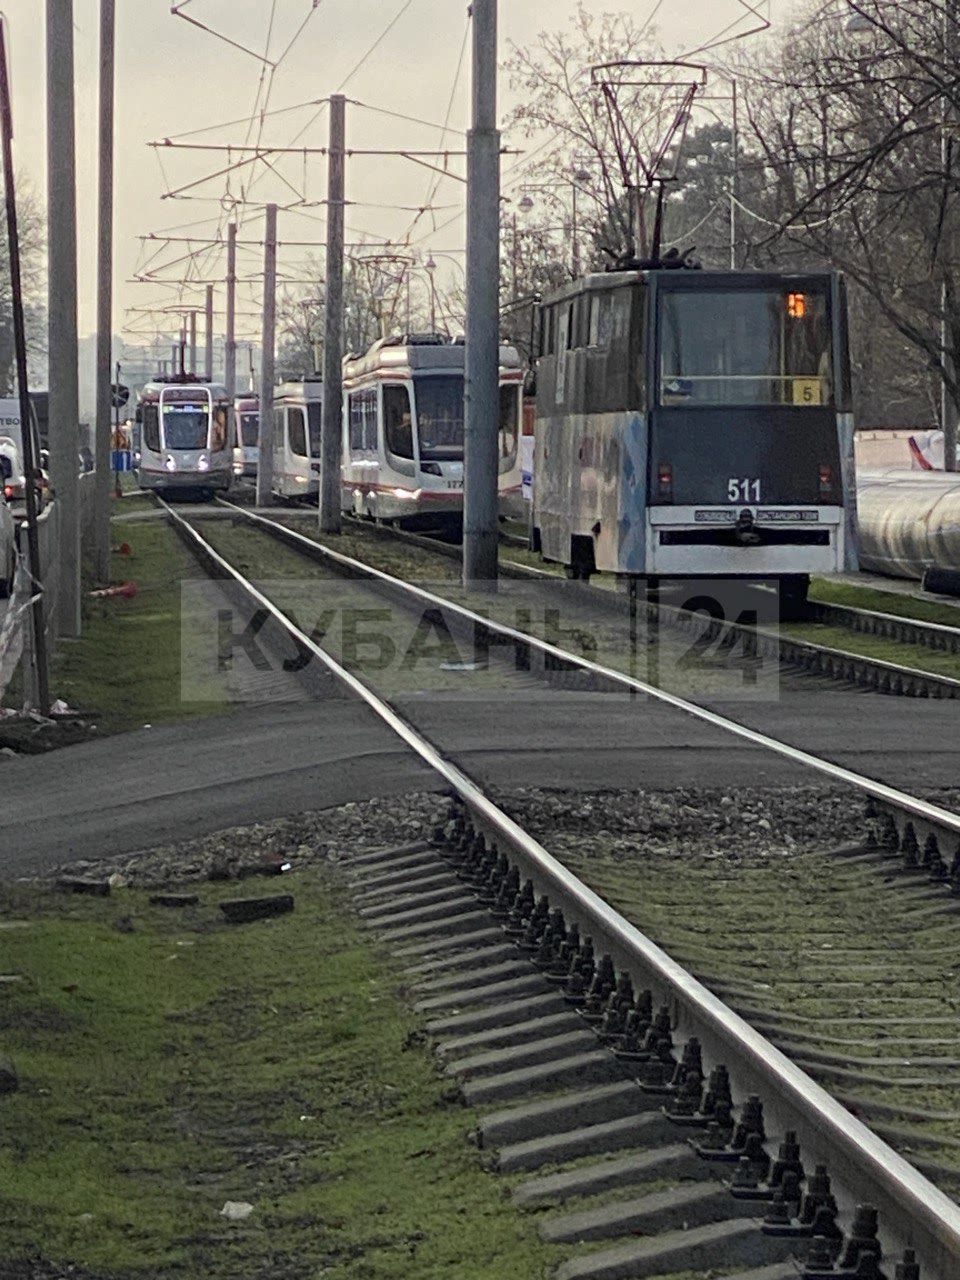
575 236
193 343
30 463
332 428
62 307
267 354
482 393
208 341
175 353
734 178
515 262
230 346
101 479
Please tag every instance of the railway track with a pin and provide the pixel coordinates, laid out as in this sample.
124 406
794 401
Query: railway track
643 1119
792 652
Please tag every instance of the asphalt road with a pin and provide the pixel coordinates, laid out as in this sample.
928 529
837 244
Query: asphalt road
176 782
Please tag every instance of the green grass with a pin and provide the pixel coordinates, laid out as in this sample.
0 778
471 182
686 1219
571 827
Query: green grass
168 1068
917 656
894 602
126 666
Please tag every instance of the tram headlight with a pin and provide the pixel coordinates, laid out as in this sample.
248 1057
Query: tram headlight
204 463
170 464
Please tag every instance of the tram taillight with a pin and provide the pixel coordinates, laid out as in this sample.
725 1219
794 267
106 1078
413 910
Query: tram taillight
665 482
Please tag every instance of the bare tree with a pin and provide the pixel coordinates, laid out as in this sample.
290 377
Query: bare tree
300 320
849 114
32 228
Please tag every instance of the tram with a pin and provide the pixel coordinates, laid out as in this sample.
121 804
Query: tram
184 436
246 448
297 415
403 431
696 424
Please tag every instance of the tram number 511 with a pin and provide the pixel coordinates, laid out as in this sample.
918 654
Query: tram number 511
743 490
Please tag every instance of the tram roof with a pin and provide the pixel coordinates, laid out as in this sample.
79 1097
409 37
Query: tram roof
689 279
399 357
299 390
151 390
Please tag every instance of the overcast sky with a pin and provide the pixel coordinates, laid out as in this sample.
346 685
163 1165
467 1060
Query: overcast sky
173 78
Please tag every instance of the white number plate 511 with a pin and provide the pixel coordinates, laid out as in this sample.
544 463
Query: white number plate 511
743 489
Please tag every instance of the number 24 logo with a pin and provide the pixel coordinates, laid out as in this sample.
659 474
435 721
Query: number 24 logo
743 490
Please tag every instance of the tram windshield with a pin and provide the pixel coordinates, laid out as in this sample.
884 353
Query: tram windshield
249 430
185 426
440 417
745 347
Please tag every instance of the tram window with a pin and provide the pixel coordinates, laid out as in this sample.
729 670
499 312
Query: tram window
397 421
355 426
509 420
185 426
249 430
297 432
601 320
363 421
218 436
440 417
749 346
314 422
151 427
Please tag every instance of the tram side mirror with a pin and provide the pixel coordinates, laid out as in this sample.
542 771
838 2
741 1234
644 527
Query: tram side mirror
6 467
44 459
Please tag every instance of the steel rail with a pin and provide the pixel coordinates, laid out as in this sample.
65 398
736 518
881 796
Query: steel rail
927 818
915 1213
931 635
837 664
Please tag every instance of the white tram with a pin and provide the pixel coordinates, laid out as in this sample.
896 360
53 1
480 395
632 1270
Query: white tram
184 434
297 415
403 430
246 448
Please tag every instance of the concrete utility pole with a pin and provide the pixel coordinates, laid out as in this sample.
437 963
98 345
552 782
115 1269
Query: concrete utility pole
331 431
481 401
265 465
230 347
193 343
101 479
30 463
62 307
208 339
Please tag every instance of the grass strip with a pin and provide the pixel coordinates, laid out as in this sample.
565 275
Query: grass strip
894 602
170 1063
126 665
